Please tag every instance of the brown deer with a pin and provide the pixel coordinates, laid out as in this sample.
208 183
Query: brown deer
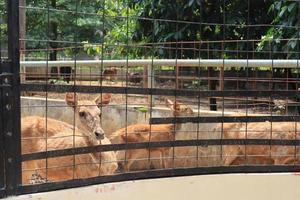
144 133
260 154
41 134
110 74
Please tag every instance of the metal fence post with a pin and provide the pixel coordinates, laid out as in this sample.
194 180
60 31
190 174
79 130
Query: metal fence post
2 178
11 103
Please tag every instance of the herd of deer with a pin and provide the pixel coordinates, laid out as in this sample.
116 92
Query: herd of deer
41 134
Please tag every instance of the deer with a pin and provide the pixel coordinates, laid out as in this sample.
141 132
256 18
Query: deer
110 74
135 78
149 133
45 134
260 154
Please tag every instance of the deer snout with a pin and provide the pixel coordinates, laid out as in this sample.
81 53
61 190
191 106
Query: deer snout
99 134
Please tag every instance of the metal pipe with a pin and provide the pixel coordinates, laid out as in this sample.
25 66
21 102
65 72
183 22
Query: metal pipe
252 63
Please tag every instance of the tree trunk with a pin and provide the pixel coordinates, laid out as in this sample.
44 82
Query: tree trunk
53 45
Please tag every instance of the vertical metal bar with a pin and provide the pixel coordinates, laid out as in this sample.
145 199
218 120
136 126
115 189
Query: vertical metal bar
127 81
1 136
11 107
46 82
101 66
273 86
22 19
199 97
2 161
150 82
212 84
199 87
145 77
222 76
177 74
296 148
151 98
247 78
177 84
75 83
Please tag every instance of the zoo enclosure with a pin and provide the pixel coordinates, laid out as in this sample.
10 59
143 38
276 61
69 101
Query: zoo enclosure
11 156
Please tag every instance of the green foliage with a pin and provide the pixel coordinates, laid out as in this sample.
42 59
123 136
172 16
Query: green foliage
59 21
141 109
285 33
97 29
206 18
195 84
3 26
58 81
112 29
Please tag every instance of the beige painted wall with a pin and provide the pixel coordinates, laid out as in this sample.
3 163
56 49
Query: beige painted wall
208 187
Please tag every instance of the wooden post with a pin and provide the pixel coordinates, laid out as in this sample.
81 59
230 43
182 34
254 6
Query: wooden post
212 86
221 79
254 86
150 84
53 29
145 77
177 77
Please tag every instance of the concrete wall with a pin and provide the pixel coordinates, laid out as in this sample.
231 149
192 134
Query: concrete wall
207 187
113 116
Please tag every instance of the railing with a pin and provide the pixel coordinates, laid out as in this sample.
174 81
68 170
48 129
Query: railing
251 63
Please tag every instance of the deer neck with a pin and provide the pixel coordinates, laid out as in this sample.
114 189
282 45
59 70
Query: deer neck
177 126
90 141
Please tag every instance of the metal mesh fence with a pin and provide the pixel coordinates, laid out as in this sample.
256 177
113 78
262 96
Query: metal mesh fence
120 90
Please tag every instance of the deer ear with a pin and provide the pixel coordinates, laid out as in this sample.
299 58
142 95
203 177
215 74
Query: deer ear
71 99
103 100
170 104
177 106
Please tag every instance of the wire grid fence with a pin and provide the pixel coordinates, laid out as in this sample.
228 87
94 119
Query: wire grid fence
85 124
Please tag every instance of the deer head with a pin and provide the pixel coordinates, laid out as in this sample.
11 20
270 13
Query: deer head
88 113
179 109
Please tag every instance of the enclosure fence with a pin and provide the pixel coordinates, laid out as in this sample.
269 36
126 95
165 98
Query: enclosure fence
76 113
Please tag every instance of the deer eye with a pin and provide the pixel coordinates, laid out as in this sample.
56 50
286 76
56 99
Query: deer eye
82 114
100 114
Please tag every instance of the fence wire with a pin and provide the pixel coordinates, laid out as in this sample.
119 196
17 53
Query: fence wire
87 124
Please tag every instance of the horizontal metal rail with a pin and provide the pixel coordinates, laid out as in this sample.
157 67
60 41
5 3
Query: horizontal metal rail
253 63
225 119
157 174
145 145
157 91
